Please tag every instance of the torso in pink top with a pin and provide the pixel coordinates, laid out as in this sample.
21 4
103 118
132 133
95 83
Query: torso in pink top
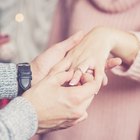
115 112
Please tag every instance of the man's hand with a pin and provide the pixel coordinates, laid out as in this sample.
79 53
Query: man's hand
57 106
42 64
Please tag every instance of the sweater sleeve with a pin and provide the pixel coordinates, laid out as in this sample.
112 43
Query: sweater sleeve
133 71
8 80
18 120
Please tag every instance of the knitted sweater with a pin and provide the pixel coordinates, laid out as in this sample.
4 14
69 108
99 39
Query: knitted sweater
18 120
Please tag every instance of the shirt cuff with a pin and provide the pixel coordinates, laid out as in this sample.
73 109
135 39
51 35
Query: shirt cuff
20 119
8 81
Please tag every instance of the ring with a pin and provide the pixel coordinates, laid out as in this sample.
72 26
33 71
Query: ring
79 69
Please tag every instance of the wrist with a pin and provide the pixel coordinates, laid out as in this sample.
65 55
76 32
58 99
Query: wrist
107 36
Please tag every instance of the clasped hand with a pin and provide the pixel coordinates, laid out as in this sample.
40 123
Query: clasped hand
58 103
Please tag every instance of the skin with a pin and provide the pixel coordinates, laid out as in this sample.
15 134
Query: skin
91 55
58 106
49 69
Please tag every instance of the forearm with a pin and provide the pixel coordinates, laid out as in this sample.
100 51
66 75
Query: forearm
121 44
8 80
18 120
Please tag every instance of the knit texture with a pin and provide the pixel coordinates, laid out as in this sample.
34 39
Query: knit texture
18 120
8 81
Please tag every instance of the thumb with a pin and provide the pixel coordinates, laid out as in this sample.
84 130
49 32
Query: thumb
63 77
63 65
71 42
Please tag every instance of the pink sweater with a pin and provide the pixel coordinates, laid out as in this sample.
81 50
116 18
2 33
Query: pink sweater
115 112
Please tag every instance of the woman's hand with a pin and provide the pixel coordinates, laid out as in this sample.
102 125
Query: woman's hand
57 106
92 52
90 55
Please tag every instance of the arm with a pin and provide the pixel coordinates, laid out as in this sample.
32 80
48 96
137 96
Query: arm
8 81
92 52
18 120
40 66
8 76
128 53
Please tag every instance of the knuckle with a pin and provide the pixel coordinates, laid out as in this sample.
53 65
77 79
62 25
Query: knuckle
74 40
86 115
77 114
75 99
54 69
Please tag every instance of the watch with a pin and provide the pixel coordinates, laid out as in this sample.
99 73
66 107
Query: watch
24 77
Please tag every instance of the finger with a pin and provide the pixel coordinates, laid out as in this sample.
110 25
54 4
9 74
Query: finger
99 74
59 50
86 77
113 62
89 77
84 91
63 77
69 43
85 115
105 80
76 78
63 65
82 68
90 71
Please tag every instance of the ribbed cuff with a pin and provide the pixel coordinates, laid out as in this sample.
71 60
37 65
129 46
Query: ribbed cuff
8 81
20 119
133 72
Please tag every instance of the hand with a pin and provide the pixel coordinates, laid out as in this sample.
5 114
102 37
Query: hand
93 54
42 64
57 106
94 50
90 54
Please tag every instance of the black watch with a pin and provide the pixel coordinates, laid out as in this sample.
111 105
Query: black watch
24 77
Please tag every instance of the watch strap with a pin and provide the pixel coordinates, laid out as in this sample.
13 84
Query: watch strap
24 77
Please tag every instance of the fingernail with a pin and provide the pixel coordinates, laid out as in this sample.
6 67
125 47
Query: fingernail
72 82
